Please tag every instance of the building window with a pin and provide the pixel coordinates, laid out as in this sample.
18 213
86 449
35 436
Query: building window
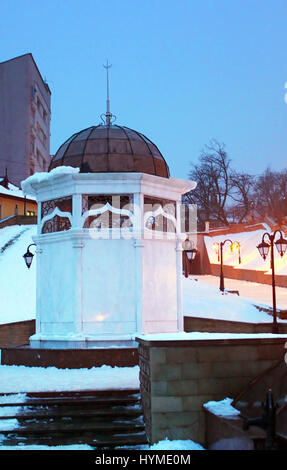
33 91
32 145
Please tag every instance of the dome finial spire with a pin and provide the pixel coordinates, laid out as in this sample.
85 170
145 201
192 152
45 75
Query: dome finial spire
109 116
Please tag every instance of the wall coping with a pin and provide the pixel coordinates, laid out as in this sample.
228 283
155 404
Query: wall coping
19 322
210 339
236 322
280 321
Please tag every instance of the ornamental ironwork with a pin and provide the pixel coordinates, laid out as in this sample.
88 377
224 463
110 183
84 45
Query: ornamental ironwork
64 204
107 211
160 214
56 224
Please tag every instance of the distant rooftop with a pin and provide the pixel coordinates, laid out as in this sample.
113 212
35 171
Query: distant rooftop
29 54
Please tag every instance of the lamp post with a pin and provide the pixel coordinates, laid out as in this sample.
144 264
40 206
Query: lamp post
219 249
263 248
28 256
190 253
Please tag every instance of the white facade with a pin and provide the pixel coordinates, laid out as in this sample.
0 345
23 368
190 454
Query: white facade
113 282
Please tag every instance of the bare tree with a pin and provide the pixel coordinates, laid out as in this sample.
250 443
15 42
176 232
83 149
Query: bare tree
242 187
270 195
212 175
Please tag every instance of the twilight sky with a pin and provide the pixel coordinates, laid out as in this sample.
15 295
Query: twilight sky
184 71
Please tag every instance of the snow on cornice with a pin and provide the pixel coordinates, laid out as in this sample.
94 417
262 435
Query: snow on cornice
41 177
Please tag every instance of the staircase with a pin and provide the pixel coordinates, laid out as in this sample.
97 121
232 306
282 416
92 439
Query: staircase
100 419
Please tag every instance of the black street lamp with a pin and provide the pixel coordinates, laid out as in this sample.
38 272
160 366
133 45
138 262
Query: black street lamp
189 255
219 250
263 248
28 256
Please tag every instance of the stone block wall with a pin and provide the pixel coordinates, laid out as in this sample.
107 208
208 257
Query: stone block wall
213 325
248 275
177 377
18 333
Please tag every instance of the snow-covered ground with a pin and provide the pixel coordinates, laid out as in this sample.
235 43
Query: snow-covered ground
18 283
21 379
202 298
259 294
187 445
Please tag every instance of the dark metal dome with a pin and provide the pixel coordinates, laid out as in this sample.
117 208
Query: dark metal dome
111 148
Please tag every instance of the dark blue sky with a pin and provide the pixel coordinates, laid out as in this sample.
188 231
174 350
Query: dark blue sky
184 71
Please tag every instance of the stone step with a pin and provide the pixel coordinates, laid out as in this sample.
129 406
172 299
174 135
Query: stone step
75 401
109 442
27 413
71 427
82 393
97 418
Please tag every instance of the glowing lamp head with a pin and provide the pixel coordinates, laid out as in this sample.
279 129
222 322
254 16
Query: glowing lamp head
263 249
191 254
281 245
235 246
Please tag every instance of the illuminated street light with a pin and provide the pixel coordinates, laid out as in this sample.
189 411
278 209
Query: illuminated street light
218 247
263 248
189 255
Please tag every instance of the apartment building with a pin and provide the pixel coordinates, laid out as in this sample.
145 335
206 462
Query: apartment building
25 113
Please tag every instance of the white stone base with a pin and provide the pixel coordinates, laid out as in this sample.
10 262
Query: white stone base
81 341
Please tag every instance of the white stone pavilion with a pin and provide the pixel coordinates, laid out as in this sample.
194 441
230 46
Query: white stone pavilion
109 241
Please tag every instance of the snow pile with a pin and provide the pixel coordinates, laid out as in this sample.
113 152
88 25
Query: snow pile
222 408
41 447
202 336
161 445
19 379
46 176
176 445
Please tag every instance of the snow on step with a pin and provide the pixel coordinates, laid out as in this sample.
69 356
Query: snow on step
98 419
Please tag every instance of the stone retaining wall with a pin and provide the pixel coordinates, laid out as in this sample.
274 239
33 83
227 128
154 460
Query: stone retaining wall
177 377
248 275
212 325
18 333
19 220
